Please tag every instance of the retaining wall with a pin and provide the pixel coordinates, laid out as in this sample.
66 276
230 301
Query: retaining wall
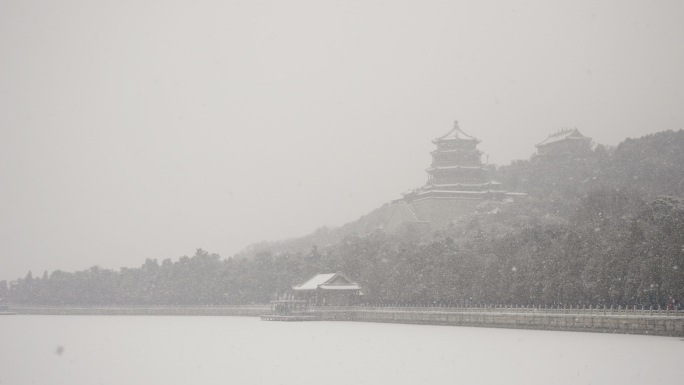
655 322
665 325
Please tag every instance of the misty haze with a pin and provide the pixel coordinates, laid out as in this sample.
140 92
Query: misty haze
414 180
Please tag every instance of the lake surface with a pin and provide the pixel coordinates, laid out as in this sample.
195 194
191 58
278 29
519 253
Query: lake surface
240 350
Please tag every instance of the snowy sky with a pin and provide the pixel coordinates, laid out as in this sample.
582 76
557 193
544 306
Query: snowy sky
147 129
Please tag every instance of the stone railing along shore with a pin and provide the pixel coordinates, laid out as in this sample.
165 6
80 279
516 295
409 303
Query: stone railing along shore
605 319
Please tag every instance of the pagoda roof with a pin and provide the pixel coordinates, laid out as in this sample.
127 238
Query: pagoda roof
564 134
433 168
455 134
461 150
466 184
453 192
467 195
329 281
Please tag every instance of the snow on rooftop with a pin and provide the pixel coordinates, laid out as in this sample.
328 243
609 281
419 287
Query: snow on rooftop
313 283
452 192
328 281
453 167
341 287
465 184
567 133
455 134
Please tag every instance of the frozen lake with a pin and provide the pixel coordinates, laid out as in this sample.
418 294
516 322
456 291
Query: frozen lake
239 350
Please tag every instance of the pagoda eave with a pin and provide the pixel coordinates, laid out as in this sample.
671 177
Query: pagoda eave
456 150
544 144
446 168
440 140
453 192
464 184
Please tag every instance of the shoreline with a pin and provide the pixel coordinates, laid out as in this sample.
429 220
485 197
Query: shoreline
657 322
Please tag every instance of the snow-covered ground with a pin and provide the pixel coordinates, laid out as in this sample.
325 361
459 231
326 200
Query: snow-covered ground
127 350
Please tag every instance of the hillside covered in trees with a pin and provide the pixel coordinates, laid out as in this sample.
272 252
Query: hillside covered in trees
601 227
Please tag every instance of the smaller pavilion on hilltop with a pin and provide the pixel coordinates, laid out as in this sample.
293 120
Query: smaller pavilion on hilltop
564 142
332 289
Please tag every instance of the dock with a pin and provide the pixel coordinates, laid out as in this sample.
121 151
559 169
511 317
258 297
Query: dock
289 310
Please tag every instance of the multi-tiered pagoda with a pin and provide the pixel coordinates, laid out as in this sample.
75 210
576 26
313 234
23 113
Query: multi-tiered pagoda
456 169
457 183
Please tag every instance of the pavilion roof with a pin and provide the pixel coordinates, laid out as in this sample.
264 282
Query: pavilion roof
454 167
455 134
565 134
329 281
465 184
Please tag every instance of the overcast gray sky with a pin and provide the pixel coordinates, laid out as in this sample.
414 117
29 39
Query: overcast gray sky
147 129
